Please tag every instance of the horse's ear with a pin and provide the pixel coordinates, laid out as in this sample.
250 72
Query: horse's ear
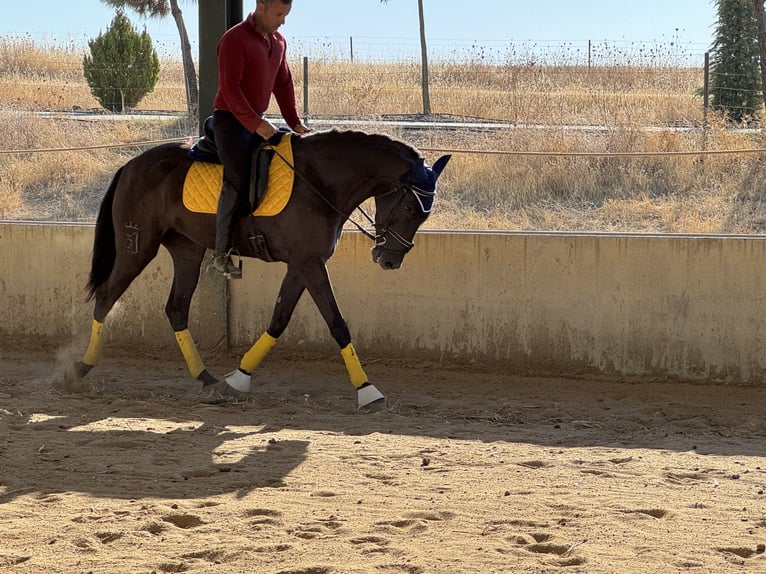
440 164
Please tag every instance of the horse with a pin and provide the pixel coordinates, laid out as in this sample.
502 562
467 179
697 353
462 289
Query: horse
334 172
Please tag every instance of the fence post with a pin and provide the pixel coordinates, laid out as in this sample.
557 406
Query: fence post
305 86
705 100
706 85
351 47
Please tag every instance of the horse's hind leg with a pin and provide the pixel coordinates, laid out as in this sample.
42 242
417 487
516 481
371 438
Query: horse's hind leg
187 259
126 268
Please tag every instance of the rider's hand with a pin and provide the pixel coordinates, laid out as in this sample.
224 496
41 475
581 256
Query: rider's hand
301 129
266 129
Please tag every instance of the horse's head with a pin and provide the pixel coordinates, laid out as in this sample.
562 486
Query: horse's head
399 213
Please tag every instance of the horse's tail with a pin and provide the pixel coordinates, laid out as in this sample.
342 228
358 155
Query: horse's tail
104 248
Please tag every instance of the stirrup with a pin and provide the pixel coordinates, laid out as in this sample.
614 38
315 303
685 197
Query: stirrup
223 264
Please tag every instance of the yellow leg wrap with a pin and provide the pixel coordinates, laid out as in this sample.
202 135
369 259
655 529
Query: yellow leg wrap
257 352
93 352
189 350
353 366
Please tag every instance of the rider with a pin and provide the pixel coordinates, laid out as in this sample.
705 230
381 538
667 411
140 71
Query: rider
251 66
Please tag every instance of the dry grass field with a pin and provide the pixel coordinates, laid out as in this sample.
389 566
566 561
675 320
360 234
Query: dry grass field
573 118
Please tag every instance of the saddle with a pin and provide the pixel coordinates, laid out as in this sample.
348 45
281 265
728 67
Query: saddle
205 150
270 186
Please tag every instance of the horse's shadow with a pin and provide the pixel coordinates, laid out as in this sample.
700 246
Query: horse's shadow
192 460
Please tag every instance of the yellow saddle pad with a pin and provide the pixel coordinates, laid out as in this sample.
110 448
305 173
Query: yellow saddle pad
202 185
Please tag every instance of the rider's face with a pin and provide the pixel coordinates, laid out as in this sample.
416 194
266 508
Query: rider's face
271 15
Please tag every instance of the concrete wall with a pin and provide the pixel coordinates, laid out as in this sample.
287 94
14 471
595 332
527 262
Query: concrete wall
43 272
677 306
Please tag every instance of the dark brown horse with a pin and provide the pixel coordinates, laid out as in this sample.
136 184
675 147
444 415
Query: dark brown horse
334 173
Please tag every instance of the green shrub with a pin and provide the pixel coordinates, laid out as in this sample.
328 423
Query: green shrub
122 66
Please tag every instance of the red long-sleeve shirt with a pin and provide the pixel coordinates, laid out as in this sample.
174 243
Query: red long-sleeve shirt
249 71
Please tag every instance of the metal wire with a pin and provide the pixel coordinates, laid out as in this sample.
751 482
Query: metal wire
190 139
90 147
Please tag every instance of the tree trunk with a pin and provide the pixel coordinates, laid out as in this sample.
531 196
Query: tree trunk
424 58
760 16
190 73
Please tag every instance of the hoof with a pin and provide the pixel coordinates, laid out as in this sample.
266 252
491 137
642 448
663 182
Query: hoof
68 378
369 394
219 394
238 380
206 379
379 406
81 369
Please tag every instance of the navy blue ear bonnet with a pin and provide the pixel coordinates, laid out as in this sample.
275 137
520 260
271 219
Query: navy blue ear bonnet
422 182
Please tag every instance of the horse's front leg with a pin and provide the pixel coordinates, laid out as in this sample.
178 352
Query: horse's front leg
289 294
317 281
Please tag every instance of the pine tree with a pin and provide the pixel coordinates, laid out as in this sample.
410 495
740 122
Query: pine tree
735 79
122 66
161 9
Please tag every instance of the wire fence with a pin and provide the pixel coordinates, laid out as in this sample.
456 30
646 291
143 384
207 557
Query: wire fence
673 52
377 76
565 84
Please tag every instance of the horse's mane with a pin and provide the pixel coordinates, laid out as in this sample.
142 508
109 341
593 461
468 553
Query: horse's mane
361 138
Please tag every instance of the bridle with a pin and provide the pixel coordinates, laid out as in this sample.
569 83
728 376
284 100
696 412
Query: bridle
385 230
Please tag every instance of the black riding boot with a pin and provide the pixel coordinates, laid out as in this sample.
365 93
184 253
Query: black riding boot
224 226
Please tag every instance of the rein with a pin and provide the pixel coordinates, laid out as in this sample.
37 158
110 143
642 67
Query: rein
313 188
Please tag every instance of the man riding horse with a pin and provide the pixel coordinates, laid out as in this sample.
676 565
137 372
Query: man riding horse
146 207
251 66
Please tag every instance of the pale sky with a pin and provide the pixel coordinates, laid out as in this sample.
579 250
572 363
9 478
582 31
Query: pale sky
391 30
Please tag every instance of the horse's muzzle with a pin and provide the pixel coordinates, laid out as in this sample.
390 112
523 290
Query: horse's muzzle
387 258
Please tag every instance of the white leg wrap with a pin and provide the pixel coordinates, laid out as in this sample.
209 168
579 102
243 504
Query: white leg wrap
369 394
239 381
